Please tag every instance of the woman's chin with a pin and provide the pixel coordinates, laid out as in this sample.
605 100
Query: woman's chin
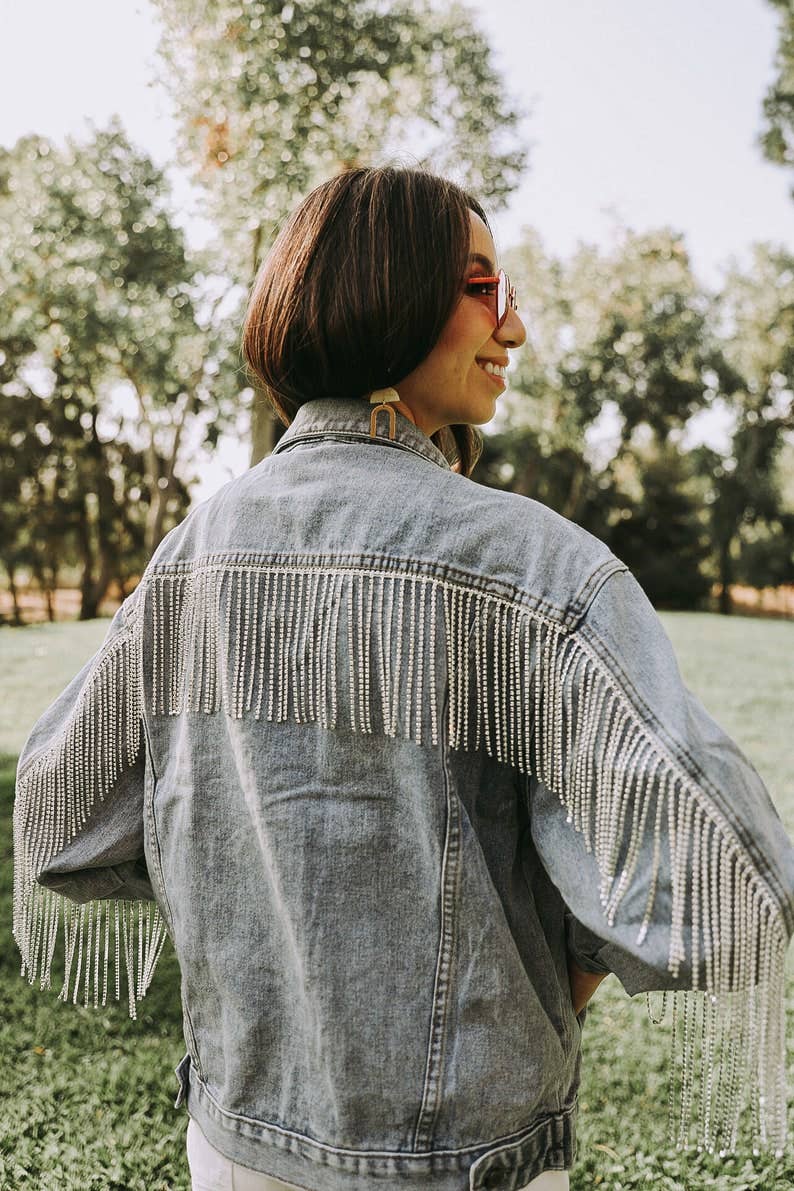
482 410
475 411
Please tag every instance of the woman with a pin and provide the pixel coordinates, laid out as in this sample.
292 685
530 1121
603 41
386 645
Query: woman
404 763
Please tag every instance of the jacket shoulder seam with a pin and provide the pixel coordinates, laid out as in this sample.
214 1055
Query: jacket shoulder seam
584 597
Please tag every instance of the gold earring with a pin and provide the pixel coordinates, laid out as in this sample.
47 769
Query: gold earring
383 396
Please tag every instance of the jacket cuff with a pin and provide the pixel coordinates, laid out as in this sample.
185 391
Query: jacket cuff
126 881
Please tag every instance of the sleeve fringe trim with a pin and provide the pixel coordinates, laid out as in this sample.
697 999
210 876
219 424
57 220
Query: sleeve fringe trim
54 798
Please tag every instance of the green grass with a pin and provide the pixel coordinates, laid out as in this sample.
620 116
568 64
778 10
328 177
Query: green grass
87 1095
36 663
742 669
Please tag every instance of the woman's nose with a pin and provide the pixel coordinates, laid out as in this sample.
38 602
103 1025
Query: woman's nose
512 332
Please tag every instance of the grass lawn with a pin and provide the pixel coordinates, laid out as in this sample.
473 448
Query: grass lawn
86 1099
87 1095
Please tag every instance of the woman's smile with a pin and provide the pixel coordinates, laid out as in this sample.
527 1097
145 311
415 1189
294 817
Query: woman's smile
496 372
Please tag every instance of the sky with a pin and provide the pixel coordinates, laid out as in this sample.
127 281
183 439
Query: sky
638 114
651 110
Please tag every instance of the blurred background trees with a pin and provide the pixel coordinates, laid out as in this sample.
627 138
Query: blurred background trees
119 345
777 134
99 301
626 354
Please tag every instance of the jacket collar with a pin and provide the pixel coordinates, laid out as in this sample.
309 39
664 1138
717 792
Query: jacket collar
349 418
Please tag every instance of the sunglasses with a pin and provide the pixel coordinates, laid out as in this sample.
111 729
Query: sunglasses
499 289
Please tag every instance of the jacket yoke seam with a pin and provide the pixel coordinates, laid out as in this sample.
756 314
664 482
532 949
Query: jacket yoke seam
388 566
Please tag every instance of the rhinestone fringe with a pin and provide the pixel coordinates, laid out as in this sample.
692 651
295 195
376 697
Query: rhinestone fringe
369 650
54 797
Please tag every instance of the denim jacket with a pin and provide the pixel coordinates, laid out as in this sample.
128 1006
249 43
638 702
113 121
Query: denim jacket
377 748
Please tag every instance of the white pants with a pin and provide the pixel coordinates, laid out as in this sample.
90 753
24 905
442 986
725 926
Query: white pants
212 1171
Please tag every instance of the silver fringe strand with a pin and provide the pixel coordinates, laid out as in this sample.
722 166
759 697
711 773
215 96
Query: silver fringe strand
362 648
54 798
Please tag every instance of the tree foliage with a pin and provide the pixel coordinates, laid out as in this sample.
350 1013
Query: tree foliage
746 488
100 303
118 346
777 134
626 350
661 536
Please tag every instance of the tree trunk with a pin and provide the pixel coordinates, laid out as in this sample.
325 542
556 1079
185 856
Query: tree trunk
160 491
12 587
574 492
525 480
93 589
46 585
726 577
86 550
155 516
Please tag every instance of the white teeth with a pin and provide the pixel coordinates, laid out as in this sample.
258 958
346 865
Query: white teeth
494 369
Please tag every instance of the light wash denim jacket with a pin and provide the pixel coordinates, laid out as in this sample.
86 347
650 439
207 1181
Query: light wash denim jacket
377 746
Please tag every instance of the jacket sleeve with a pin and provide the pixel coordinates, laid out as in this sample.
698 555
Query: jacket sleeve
79 863
675 867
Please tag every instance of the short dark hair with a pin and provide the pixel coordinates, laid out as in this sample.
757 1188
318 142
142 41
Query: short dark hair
357 288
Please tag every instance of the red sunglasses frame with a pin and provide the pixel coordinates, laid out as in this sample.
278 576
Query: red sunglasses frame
509 294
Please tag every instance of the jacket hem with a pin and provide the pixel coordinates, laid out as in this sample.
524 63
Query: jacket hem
549 1143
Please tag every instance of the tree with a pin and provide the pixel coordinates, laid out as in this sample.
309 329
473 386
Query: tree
766 552
103 295
274 97
746 482
22 451
661 536
618 340
545 449
643 345
625 350
777 135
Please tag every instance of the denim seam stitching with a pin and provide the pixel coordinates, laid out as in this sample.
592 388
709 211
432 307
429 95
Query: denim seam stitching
407 1156
450 866
340 435
443 573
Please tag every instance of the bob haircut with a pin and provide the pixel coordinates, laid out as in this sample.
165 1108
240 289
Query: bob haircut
357 288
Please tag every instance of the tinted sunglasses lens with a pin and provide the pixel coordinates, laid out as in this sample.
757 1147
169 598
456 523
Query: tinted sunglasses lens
501 298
